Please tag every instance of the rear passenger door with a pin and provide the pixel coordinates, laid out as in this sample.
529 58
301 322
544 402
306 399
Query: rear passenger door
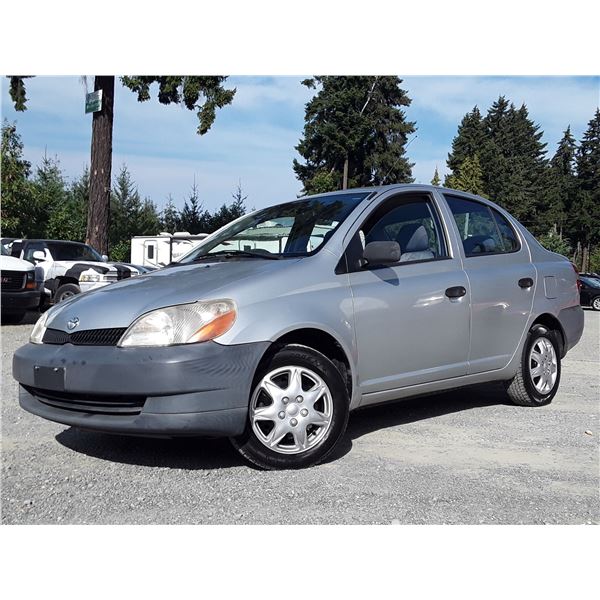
408 330
502 281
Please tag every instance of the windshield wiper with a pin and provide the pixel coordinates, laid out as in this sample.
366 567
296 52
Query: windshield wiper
235 253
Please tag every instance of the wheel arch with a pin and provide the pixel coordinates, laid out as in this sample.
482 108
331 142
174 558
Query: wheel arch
318 340
551 322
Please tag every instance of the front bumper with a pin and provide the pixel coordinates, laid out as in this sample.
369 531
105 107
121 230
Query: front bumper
20 301
197 389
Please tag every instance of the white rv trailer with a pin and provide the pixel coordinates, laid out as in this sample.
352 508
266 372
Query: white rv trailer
162 249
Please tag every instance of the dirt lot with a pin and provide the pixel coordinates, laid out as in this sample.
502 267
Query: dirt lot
461 457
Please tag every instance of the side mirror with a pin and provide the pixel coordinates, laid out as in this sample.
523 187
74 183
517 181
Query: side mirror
382 253
39 255
104 258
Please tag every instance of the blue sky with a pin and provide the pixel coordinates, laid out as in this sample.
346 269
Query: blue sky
254 138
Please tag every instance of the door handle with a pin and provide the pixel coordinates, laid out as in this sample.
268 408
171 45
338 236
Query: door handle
526 282
457 291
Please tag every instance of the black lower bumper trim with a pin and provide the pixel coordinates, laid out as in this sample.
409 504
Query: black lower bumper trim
215 423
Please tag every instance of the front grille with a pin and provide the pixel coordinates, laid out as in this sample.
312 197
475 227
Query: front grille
13 280
86 337
100 404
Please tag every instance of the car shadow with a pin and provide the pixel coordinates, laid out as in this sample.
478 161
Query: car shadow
207 454
397 413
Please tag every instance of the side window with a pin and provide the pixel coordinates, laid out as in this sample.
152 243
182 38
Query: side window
30 249
479 228
411 221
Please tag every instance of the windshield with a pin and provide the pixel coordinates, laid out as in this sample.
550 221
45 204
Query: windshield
296 228
591 281
66 251
5 251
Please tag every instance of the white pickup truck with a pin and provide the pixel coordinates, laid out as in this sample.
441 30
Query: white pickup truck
69 268
21 287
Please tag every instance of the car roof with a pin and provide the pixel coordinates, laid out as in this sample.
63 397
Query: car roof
376 190
52 241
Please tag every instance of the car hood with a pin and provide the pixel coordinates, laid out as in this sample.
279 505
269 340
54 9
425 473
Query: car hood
119 304
10 263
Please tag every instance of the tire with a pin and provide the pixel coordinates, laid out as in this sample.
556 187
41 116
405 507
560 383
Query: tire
301 428
595 303
66 291
12 318
527 388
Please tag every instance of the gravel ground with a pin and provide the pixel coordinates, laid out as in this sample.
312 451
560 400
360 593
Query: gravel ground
460 457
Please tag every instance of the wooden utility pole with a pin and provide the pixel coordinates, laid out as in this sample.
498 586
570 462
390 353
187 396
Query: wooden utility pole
101 162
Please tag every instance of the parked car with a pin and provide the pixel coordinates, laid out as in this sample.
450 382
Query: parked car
406 290
69 267
589 290
21 286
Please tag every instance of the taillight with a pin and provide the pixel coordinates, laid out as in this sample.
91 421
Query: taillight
577 277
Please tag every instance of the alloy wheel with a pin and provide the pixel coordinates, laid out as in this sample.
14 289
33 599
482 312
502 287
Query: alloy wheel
543 365
291 410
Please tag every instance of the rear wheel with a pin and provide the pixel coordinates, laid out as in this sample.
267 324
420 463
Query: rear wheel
298 411
537 379
596 303
66 291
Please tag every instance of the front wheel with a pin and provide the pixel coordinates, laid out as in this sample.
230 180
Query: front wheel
537 379
298 411
66 291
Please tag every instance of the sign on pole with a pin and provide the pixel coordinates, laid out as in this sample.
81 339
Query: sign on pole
93 102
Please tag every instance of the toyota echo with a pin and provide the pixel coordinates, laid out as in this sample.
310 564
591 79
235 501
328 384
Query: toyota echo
279 324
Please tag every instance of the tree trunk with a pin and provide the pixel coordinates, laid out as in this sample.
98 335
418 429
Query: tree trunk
101 161
345 178
585 259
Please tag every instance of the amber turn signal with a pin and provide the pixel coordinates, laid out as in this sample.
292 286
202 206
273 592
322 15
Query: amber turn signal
215 328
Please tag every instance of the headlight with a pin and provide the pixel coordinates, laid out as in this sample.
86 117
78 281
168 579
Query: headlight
181 324
39 329
91 277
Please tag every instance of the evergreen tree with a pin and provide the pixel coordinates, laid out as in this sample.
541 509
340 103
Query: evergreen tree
238 207
49 194
436 178
561 186
512 160
130 216
321 183
469 177
584 217
68 221
192 219
148 219
124 207
15 187
355 132
169 218
227 212
469 140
